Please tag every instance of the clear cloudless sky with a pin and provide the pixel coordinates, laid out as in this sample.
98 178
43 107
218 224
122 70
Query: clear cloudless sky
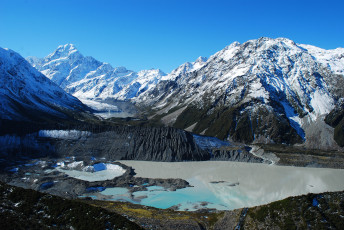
145 34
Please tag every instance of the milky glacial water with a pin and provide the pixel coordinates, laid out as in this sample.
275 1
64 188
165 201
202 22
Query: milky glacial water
227 185
118 194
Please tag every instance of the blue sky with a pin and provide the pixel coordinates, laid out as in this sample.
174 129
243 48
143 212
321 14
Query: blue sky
145 34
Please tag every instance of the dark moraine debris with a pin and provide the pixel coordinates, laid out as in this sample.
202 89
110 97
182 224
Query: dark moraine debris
136 143
235 153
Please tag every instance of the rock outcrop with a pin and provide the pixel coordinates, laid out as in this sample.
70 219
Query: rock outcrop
239 154
336 119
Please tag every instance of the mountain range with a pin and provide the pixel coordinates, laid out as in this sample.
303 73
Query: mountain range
87 78
262 91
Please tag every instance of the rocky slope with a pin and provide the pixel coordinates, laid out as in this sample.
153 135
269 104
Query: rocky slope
27 95
311 211
136 143
264 90
336 119
122 143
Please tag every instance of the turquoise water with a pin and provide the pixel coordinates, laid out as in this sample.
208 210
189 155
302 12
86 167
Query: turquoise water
118 194
115 191
202 195
155 188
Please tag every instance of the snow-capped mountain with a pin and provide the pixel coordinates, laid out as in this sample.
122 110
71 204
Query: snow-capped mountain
26 94
87 78
65 65
264 90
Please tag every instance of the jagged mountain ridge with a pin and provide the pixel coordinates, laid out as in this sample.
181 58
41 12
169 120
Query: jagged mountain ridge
87 78
264 90
26 94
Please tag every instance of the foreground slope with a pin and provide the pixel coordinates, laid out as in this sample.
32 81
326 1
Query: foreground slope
29 209
264 90
23 208
27 95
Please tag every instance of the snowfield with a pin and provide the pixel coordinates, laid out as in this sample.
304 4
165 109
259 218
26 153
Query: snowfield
64 134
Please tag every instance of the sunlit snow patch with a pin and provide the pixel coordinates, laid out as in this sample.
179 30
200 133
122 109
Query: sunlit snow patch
97 172
64 134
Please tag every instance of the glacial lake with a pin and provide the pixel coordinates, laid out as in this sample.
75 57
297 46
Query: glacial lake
226 185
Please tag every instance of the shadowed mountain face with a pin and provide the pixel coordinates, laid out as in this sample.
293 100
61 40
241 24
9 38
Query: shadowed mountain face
27 95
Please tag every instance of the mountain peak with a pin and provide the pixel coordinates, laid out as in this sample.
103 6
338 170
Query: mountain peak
63 51
234 44
280 40
201 59
67 46
120 69
160 72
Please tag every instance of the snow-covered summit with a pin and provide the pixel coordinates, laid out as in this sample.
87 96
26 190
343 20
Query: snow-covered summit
87 78
63 51
65 65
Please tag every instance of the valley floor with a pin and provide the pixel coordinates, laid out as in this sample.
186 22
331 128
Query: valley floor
234 186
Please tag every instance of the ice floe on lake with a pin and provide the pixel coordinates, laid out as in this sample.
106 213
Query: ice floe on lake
96 172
